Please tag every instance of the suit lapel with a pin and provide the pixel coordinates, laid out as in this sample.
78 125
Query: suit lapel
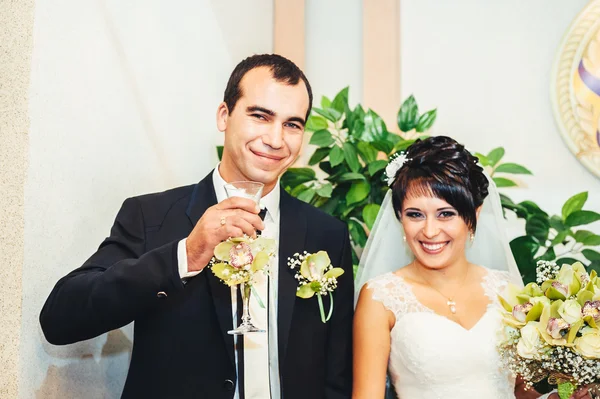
292 236
203 197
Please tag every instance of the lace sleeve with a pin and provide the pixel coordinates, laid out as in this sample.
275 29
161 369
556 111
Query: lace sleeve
394 294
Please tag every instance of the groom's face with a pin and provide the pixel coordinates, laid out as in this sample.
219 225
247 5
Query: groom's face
264 131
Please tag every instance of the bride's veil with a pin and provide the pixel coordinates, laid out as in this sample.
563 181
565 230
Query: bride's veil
386 251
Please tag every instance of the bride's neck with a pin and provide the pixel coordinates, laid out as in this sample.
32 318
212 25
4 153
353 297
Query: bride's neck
454 273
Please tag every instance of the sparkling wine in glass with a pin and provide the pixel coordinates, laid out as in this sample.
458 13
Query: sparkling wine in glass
251 190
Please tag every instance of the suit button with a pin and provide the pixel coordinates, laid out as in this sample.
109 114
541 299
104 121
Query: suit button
228 385
161 294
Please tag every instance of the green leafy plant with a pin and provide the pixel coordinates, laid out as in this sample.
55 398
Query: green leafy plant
554 238
353 148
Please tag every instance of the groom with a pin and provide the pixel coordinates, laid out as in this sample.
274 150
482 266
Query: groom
152 267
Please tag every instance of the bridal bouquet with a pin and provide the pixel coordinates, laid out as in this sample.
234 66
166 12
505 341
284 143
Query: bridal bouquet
552 329
236 260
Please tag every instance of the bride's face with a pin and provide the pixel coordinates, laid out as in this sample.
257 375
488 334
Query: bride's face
434 231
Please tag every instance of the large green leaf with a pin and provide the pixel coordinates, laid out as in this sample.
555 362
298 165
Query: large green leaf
578 218
330 114
592 241
319 155
538 226
336 156
376 166
307 195
322 138
582 235
220 152
366 151
483 160
357 232
295 176
375 129
402 145
351 157
315 123
358 192
591 254
385 146
408 114
325 102
524 248
556 223
357 115
340 101
512 168
325 190
495 156
350 176
426 120
295 192
369 214
573 204
503 182
532 208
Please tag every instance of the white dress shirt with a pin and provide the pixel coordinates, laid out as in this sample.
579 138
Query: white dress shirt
254 344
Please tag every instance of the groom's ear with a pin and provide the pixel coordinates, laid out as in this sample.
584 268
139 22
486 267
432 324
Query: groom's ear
222 116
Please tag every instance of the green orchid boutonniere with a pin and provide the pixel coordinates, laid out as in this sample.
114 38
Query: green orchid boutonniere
316 276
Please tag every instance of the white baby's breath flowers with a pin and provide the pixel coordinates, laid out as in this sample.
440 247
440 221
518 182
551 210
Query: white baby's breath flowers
546 271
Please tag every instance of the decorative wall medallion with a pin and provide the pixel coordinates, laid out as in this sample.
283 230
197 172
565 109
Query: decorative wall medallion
576 87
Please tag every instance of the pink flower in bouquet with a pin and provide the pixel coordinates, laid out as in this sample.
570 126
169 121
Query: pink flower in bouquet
240 255
592 308
563 289
520 311
557 328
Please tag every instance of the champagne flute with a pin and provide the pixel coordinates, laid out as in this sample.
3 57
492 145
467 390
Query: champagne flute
251 190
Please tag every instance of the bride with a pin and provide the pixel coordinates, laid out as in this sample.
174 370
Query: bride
427 310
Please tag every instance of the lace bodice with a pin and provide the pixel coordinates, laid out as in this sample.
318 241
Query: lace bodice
431 356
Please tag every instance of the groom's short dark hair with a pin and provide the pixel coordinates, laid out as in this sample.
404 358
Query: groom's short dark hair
283 70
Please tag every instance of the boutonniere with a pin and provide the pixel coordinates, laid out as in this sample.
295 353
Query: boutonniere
316 276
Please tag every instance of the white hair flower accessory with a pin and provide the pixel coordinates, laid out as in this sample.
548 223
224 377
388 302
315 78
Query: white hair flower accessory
394 166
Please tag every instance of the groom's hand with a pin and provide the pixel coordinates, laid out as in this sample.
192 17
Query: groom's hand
232 217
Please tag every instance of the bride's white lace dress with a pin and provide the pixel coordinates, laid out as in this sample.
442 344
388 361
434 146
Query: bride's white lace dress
432 356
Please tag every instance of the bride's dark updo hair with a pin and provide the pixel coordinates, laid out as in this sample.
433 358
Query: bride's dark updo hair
440 167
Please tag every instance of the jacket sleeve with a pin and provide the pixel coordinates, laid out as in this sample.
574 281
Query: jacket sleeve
338 383
116 285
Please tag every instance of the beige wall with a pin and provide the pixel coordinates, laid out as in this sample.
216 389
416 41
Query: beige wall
16 26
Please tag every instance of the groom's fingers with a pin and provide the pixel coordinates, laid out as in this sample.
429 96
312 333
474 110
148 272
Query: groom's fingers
238 203
241 225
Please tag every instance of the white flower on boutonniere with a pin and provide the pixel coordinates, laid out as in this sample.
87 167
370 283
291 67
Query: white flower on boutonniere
394 166
316 276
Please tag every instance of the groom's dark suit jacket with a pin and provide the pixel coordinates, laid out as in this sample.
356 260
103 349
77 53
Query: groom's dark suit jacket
181 347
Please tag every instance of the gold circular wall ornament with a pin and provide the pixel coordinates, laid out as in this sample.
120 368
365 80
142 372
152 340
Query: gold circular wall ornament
576 87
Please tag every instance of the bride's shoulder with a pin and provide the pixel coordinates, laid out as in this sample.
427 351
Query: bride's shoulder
498 280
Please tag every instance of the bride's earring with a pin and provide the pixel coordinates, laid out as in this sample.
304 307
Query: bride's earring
472 237
404 238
